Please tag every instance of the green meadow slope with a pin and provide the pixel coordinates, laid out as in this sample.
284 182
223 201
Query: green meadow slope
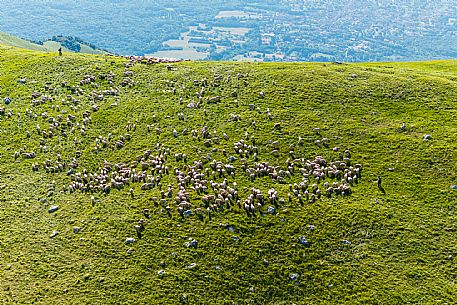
393 247
48 46
10 40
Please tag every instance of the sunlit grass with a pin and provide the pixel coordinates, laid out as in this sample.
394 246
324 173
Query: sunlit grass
403 242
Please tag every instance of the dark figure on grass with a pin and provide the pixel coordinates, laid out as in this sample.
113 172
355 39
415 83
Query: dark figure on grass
60 51
380 185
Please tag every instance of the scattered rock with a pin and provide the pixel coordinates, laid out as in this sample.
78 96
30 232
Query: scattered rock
310 228
130 240
346 242
193 265
161 272
53 208
303 241
191 243
7 100
454 187
187 213
427 137
271 210
54 233
293 276
76 230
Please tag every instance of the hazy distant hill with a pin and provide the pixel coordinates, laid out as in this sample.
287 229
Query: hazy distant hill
10 40
68 44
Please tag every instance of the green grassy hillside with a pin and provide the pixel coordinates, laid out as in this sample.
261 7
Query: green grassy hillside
77 124
10 40
49 46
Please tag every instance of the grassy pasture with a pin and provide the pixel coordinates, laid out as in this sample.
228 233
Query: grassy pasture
402 242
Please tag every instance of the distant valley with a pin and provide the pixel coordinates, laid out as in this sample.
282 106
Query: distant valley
283 30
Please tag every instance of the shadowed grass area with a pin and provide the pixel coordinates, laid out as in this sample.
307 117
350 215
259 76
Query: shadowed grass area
402 244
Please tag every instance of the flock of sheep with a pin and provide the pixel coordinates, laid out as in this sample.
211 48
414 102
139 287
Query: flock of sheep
202 186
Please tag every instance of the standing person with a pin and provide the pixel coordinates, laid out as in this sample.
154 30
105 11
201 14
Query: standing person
60 51
379 185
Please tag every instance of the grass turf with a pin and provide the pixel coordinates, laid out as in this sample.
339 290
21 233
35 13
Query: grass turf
403 242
